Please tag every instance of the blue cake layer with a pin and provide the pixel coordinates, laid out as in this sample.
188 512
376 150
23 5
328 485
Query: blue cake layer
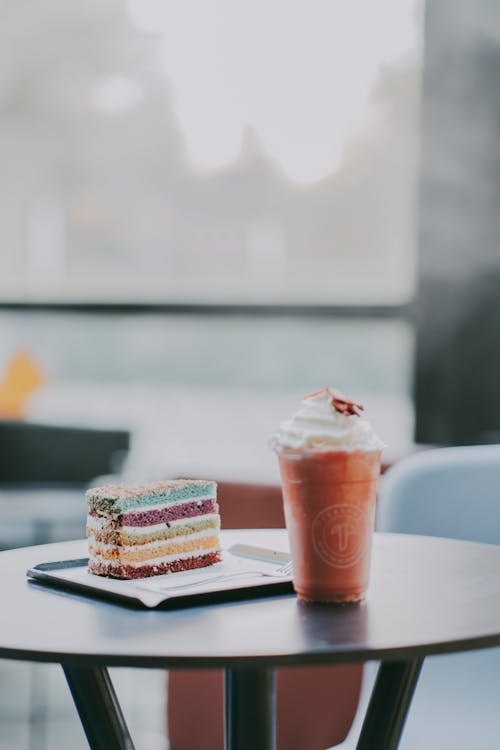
116 499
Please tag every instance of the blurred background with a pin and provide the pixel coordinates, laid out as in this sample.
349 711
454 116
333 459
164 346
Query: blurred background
208 210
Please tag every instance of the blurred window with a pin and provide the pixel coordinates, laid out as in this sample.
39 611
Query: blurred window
203 393
235 151
165 152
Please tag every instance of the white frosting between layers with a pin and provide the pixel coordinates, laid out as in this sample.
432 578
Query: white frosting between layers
101 523
317 425
150 545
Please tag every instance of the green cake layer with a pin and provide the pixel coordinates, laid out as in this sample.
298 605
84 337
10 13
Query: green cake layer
124 535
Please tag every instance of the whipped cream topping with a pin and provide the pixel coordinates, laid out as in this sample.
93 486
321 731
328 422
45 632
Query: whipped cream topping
327 420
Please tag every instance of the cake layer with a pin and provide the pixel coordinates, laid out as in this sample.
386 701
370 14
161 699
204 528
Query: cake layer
110 532
171 513
200 541
176 565
167 511
166 559
118 499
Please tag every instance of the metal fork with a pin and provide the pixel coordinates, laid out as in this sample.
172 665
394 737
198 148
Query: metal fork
282 572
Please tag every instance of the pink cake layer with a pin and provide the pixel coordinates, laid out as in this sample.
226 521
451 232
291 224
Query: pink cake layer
144 571
164 515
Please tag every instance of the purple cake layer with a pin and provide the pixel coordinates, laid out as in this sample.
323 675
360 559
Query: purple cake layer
163 515
186 510
144 571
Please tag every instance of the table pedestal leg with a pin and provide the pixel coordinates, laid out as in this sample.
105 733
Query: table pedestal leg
249 709
98 708
389 705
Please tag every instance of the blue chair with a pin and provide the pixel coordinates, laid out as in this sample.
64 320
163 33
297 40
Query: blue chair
455 493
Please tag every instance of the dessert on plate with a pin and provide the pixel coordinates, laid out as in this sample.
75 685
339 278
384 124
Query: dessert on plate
140 530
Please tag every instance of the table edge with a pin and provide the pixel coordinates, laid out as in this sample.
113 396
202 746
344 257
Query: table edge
348 656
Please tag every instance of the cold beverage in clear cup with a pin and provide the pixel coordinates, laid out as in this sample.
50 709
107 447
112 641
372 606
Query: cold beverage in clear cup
329 501
329 461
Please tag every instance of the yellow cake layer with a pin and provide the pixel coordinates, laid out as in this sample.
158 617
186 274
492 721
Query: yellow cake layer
141 552
128 535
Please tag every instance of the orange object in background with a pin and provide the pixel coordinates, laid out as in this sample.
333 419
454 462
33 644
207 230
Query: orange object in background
22 377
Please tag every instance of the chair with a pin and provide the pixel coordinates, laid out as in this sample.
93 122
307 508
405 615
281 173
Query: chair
315 705
44 470
47 454
455 493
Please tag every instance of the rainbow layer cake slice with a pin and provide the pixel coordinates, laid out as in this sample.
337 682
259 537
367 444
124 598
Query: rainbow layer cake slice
135 531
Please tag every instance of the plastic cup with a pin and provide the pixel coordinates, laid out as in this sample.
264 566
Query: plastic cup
329 501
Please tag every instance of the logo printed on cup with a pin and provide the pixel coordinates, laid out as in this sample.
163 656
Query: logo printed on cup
338 535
